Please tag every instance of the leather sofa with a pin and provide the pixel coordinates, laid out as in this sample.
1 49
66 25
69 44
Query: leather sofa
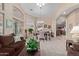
8 46
72 48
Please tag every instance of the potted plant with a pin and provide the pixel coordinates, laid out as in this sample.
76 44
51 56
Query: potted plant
30 30
32 46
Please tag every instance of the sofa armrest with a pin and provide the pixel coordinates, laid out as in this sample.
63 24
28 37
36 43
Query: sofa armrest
4 54
76 46
0 45
22 38
17 45
69 44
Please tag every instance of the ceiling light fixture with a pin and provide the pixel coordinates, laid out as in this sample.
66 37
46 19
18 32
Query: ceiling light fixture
40 4
64 12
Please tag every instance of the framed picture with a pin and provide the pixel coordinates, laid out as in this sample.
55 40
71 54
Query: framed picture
1 23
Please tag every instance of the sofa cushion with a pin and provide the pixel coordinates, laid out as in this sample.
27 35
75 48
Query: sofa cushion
17 38
7 51
17 45
76 46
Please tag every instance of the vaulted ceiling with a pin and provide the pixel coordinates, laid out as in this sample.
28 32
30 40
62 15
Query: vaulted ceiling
46 10
49 9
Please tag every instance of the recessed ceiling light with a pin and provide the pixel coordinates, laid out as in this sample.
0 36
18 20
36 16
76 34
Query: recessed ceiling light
31 9
64 12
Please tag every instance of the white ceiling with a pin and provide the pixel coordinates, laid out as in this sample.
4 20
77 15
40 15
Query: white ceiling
34 10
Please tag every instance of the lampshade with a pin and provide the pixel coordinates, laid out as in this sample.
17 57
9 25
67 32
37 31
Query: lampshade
75 30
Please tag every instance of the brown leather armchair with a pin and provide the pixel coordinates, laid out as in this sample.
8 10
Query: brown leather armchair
72 48
9 47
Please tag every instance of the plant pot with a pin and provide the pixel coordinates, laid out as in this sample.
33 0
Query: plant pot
32 52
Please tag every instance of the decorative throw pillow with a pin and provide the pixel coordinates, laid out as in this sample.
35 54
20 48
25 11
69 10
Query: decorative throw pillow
17 38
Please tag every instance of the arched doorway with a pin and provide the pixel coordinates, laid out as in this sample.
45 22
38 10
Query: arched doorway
61 26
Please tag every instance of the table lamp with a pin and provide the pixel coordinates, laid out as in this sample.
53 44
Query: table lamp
75 33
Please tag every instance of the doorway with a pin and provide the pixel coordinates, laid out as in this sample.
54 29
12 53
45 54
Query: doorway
61 26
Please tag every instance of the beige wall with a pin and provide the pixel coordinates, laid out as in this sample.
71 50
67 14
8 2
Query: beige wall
72 20
8 16
30 22
58 12
70 23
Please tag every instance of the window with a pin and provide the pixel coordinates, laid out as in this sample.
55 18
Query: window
1 23
17 13
17 27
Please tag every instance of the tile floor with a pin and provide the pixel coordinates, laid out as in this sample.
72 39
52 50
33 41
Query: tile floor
54 47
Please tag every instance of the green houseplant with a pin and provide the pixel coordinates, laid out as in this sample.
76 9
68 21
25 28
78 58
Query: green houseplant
30 30
32 46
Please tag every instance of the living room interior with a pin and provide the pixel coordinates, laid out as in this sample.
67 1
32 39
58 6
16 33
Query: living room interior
39 29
